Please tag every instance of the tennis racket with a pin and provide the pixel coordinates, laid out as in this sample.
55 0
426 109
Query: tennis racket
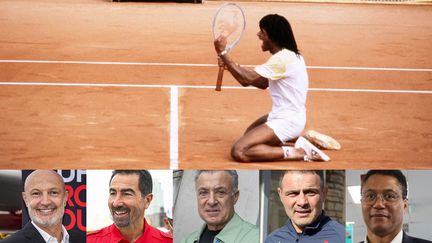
229 21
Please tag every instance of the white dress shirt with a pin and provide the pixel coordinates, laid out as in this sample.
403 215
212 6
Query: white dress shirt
49 238
397 239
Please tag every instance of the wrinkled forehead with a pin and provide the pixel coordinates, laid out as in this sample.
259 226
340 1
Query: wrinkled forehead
216 179
380 183
296 180
125 181
44 179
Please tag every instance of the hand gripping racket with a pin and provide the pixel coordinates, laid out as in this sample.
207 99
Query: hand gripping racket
229 21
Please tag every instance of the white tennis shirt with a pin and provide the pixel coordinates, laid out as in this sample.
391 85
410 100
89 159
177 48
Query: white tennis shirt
288 84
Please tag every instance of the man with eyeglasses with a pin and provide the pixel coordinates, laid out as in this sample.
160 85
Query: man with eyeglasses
302 192
384 201
217 193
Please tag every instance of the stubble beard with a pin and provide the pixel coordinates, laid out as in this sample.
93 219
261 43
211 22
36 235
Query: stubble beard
56 219
121 222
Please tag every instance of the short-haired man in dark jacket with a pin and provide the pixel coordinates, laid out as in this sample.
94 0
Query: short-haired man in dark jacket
384 201
303 193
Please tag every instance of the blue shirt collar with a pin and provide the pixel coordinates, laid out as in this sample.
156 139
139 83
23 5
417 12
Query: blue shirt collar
312 228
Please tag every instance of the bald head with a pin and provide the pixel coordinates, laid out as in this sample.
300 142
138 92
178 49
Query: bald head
45 196
43 175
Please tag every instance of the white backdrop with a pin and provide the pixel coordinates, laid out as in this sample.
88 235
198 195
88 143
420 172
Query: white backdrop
98 214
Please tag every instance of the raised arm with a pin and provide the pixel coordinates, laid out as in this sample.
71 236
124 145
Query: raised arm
245 76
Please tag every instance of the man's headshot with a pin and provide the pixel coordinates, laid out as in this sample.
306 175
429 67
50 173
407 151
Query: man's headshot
216 192
216 204
127 199
303 194
45 197
384 203
130 194
302 207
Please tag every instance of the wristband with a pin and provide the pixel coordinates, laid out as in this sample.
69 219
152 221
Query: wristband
223 53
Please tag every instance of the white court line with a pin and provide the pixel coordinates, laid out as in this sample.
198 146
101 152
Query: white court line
373 90
203 87
373 68
118 85
174 120
174 103
207 65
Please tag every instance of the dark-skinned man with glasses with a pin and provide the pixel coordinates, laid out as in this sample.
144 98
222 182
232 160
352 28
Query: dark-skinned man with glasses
384 202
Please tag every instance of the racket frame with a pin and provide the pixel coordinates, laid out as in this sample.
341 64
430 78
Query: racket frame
230 46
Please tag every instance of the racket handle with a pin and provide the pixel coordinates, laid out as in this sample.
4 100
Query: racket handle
219 79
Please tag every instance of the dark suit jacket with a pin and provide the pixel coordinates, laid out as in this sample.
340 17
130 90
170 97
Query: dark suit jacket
409 239
28 234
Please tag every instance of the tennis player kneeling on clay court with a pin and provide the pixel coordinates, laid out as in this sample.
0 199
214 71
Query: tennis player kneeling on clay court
286 77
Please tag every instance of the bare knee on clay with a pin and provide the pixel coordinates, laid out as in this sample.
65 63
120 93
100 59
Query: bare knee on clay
238 153
260 144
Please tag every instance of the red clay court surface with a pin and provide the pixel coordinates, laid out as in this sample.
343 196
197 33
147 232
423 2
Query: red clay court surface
93 84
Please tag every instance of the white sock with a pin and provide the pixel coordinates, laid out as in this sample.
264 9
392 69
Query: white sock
288 151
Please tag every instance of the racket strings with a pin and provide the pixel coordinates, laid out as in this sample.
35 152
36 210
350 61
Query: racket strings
229 22
229 25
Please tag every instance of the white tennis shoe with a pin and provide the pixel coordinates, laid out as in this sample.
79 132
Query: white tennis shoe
312 152
322 141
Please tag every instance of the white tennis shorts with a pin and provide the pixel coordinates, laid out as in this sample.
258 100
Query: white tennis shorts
287 128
